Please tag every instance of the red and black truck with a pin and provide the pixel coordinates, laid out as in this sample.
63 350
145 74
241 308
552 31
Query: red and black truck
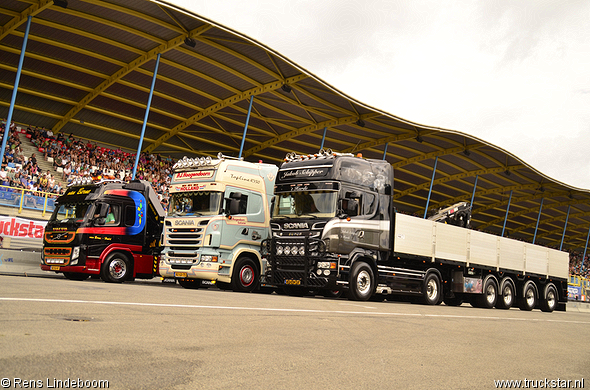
109 228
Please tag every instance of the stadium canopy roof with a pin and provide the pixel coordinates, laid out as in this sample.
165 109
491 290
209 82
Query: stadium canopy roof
88 70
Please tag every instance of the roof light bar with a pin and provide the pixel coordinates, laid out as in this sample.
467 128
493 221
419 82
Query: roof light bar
197 162
324 153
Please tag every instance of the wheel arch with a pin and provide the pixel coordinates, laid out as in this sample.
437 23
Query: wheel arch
252 254
494 278
546 288
504 280
524 286
111 250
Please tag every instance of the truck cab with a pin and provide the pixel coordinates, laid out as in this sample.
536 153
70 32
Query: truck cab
329 209
219 213
108 228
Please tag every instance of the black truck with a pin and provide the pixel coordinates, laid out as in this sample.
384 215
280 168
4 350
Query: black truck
334 228
108 228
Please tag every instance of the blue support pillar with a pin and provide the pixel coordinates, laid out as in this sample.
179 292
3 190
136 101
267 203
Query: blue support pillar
506 217
565 226
246 127
385 151
431 182
473 194
324 137
538 219
584 255
145 118
15 89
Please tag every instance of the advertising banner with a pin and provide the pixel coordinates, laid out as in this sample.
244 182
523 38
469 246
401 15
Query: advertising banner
21 228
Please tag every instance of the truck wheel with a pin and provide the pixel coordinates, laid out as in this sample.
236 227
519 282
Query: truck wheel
455 301
76 276
529 299
362 282
488 298
506 297
431 292
549 303
245 275
116 268
192 284
332 293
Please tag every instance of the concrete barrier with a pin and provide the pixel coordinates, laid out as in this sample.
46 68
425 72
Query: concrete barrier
16 262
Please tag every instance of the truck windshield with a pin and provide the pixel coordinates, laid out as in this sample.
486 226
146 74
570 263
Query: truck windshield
195 203
68 211
306 203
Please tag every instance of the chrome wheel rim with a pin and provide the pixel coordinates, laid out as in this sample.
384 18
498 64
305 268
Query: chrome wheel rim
432 289
363 282
117 269
530 297
507 296
247 276
491 293
551 301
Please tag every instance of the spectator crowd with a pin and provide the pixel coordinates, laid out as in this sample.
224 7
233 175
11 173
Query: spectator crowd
75 159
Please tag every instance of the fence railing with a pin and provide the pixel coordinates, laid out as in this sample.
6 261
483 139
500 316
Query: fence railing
22 198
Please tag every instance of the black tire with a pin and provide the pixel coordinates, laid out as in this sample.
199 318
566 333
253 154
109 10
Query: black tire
528 301
245 277
431 290
489 296
332 293
454 301
192 284
116 268
506 296
362 282
76 276
549 302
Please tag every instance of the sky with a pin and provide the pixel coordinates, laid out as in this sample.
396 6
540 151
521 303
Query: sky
513 73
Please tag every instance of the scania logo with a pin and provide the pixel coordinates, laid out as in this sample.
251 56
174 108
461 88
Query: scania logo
296 225
184 222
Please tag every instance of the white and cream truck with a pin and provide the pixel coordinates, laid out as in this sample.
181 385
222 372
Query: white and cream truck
219 213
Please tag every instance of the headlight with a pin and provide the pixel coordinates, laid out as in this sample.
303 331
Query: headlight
75 252
301 250
287 250
209 258
279 250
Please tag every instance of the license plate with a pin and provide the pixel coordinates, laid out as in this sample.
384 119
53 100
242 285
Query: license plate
180 274
55 268
293 282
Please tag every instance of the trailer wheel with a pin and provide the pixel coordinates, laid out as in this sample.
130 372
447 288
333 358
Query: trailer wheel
245 275
431 291
116 268
488 298
506 296
190 283
76 276
362 282
529 299
549 303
